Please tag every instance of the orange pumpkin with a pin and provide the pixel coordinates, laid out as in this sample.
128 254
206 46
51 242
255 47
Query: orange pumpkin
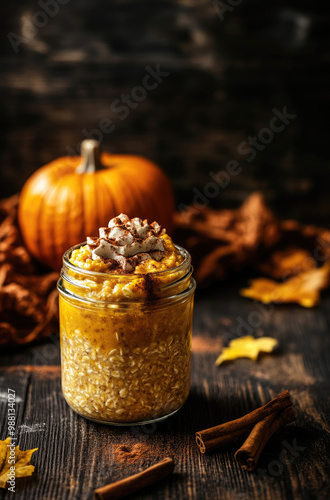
71 197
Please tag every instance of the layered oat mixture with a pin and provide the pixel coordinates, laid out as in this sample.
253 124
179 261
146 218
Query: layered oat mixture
126 347
130 384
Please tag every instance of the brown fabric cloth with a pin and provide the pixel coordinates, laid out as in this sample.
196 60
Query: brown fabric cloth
28 296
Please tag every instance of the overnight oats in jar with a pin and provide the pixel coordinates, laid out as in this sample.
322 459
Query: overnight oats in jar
126 306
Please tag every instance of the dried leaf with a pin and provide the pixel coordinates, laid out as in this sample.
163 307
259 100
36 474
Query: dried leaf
27 296
304 288
246 347
21 463
222 240
287 262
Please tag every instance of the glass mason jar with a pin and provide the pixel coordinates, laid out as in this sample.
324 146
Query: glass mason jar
126 342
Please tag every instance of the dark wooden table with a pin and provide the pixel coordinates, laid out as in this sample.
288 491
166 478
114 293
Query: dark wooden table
75 455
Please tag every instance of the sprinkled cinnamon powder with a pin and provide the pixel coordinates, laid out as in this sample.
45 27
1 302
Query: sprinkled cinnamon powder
201 344
131 453
144 450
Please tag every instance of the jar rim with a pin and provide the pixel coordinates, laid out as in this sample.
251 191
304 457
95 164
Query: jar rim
87 272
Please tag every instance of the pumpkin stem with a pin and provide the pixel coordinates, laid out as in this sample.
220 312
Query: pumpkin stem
90 157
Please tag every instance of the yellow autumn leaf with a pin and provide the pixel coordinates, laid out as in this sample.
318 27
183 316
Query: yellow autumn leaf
246 347
304 288
10 457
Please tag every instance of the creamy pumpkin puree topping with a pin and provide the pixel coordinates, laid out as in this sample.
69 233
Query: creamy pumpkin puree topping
128 246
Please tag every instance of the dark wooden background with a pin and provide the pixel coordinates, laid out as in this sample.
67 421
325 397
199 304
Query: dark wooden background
225 79
75 455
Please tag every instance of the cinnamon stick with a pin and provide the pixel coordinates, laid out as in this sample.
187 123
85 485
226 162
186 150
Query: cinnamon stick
248 454
134 483
210 439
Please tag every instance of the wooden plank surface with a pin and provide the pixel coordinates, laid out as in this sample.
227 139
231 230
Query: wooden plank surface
75 455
